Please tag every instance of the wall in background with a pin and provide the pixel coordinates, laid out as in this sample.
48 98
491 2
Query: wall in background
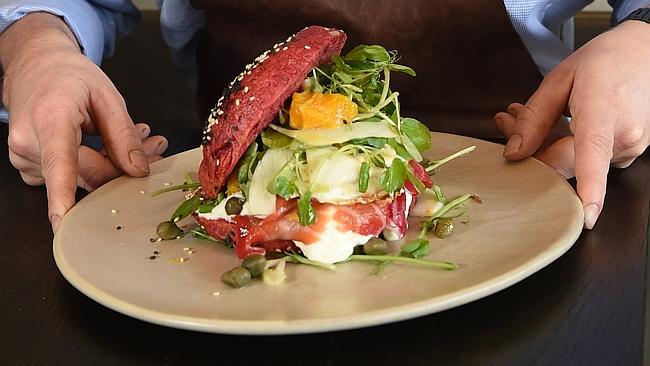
599 5
145 4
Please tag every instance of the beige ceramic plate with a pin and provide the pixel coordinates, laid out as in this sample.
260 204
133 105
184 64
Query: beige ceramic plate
530 216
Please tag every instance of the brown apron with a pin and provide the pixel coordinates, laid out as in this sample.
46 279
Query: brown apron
469 60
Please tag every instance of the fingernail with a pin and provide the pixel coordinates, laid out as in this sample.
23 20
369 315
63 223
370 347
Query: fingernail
498 122
160 148
144 131
591 215
55 220
513 145
139 160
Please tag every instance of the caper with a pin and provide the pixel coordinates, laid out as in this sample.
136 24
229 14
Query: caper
444 227
236 277
167 230
234 206
375 246
254 264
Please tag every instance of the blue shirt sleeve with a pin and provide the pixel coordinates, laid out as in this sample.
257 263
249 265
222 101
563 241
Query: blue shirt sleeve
95 23
623 8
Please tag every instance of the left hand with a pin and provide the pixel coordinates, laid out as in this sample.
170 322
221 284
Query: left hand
605 88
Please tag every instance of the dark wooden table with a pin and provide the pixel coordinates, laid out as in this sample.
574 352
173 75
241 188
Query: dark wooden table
586 308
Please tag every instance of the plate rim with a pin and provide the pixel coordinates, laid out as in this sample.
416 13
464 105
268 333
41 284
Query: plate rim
317 325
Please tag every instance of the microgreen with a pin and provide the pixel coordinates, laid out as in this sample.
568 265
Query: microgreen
417 248
364 176
398 259
392 179
245 164
299 259
284 187
273 139
186 208
306 212
435 164
417 133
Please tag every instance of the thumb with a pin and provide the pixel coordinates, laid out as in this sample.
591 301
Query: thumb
119 135
535 119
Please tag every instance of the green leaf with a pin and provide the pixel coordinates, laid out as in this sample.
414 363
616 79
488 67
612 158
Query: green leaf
417 248
402 68
338 61
392 179
410 246
376 142
415 180
306 212
284 187
400 150
274 139
373 53
417 132
246 162
346 78
439 195
364 176
186 208
205 208
423 249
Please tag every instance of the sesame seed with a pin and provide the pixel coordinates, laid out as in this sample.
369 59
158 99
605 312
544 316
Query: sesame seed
217 162
191 251
288 39
208 137
219 112
181 259
237 102
216 293
156 252
159 240
153 257
114 211
118 227
186 249
285 48
251 99
178 237
246 90
167 184
307 48
152 240
143 192
248 73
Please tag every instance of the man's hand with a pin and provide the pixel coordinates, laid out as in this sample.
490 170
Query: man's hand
605 88
53 93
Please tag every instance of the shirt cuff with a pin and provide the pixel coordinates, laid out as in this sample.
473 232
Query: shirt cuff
80 17
623 8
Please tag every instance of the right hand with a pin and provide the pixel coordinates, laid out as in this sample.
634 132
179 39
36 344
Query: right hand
53 94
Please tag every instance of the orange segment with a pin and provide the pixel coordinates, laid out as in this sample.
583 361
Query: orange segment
318 110
233 184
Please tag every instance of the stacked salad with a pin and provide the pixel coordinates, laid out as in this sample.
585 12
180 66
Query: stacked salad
332 179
